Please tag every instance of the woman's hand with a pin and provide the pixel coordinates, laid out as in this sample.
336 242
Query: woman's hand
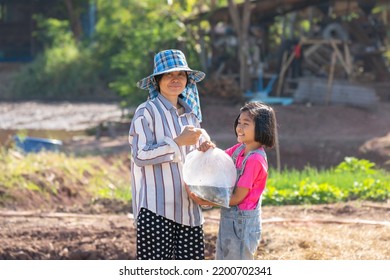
206 145
189 136
197 199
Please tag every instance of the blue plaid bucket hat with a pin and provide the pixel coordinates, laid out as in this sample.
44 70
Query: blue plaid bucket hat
170 61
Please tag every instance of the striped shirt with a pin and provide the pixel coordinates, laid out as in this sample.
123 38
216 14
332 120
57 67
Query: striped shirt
157 161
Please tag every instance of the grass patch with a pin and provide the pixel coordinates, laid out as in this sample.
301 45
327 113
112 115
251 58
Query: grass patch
55 177
350 180
62 176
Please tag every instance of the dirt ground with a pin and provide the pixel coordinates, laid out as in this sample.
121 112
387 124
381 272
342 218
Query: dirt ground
346 231
319 136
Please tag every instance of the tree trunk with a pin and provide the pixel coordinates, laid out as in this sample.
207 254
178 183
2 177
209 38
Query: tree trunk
74 19
241 28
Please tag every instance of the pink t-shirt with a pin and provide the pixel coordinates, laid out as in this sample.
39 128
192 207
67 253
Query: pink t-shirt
254 176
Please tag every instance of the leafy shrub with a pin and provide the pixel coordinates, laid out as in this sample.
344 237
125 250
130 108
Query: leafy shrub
64 70
354 165
370 189
126 36
352 179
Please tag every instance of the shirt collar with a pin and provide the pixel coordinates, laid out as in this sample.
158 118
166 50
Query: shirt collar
167 104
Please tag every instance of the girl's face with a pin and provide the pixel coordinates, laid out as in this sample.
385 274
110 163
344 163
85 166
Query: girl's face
172 84
245 129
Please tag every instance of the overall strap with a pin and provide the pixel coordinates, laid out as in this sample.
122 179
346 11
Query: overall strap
237 152
257 151
264 155
241 170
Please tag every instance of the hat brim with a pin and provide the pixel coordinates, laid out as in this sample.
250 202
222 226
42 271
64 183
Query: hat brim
195 75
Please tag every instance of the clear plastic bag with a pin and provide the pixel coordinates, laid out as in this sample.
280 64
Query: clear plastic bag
210 175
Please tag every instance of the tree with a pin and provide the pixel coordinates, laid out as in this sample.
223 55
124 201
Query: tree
74 13
127 35
130 32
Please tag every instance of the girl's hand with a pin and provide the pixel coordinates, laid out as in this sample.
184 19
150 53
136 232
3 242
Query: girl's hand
206 145
198 200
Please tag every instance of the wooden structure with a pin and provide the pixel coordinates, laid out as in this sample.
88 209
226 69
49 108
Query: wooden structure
337 44
318 44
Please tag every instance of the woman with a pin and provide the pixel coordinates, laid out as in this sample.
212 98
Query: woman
163 131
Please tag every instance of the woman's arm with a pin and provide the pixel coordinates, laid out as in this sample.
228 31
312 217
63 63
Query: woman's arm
142 139
146 151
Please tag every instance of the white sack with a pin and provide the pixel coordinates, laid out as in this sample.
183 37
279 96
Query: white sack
210 175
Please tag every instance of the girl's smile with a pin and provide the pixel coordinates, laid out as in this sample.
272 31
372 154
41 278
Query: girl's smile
246 132
245 128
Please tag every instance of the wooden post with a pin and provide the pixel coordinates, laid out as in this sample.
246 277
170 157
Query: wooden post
348 60
340 56
277 147
330 80
283 70
281 74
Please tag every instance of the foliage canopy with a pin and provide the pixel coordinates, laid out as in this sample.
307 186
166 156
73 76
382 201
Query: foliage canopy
120 52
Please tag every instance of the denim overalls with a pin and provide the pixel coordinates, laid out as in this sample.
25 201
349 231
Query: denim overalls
239 230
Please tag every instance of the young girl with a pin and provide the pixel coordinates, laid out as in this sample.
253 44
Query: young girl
240 225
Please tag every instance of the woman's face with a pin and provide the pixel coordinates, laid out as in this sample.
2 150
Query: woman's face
173 84
245 129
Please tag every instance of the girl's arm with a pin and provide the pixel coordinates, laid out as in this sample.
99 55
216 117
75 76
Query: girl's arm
238 195
255 167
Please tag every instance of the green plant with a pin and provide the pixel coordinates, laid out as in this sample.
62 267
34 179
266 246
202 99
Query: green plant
66 68
48 174
352 179
354 165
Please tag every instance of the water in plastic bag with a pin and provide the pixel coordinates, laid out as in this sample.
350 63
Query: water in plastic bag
210 175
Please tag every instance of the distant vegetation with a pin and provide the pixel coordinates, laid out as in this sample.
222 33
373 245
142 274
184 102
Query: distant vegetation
65 70
110 62
51 179
352 179
55 178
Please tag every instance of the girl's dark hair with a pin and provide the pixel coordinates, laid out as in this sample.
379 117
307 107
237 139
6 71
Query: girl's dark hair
265 122
157 78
